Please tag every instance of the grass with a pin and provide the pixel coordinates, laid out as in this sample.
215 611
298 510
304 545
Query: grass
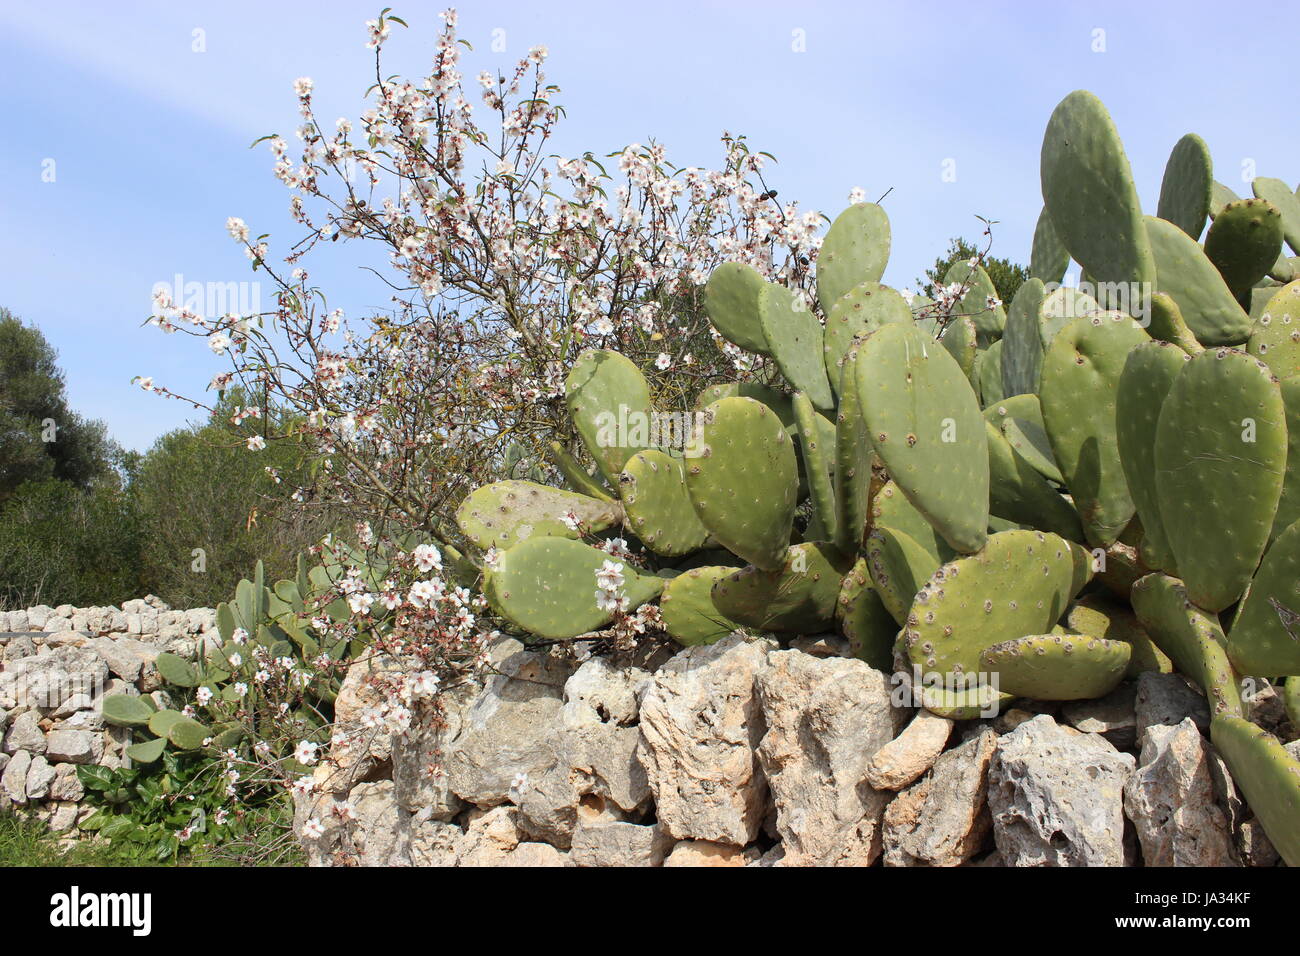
25 841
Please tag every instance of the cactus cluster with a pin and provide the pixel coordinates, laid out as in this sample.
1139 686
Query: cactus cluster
260 621
1055 494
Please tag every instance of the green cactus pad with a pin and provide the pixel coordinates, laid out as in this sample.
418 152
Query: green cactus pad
731 299
891 509
123 711
989 320
176 670
800 597
1020 583
1259 643
925 425
659 511
852 460
547 586
1095 615
1080 373
503 513
1291 698
1190 637
187 734
1089 192
1190 279
577 477
1022 349
962 342
864 620
1061 307
1148 375
990 374
743 480
856 249
1275 336
609 402
861 310
162 721
1288 504
1220 458
898 566
1029 439
1166 324
1244 243
1268 776
1220 196
147 751
794 338
1057 666
687 609
1186 190
1048 257
1287 203
1019 493
817 439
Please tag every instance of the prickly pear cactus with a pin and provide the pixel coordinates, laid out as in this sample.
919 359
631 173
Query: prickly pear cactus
659 510
1187 189
609 402
856 249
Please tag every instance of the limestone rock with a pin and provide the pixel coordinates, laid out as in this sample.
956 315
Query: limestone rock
1113 716
824 716
490 837
1168 699
125 656
72 746
67 785
14 779
943 820
1170 799
1057 797
700 725
420 757
619 844
40 776
704 853
25 734
905 758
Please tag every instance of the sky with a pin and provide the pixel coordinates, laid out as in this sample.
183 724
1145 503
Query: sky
128 126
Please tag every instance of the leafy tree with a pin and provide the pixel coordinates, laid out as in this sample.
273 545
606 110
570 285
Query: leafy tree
209 509
1007 276
40 436
62 545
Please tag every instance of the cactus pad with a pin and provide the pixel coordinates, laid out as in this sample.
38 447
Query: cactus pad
743 480
1102 618
1261 643
1190 637
1287 203
864 621
817 439
1275 336
688 611
1057 666
861 310
1020 583
1089 192
925 424
794 338
1190 279
799 597
856 249
609 402
731 299
1148 375
1220 457
1019 493
1268 776
1080 372
547 586
504 513
123 711
659 511
1022 349
1048 258
1244 243
1186 190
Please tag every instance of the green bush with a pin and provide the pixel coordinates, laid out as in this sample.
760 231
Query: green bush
62 545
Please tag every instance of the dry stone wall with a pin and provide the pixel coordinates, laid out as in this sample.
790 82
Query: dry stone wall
56 666
746 754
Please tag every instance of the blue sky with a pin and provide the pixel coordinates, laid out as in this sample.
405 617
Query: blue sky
149 138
